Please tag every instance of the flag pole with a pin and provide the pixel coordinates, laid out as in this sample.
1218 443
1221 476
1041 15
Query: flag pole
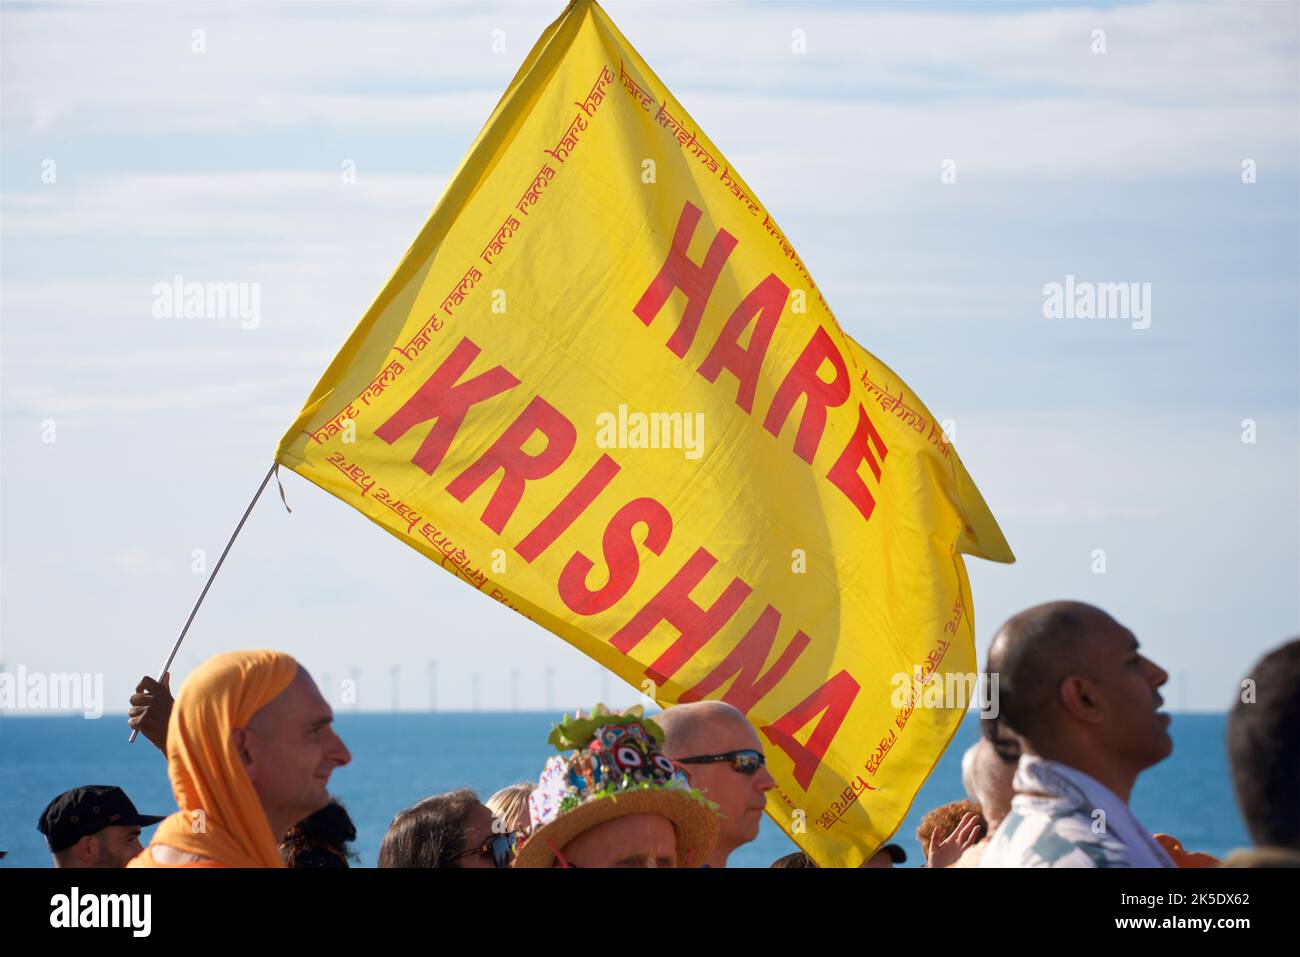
203 594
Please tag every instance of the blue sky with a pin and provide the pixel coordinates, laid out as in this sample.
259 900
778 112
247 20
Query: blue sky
1122 166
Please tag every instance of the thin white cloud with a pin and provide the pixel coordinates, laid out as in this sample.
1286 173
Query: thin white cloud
250 205
417 65
190 359
140 563
47 400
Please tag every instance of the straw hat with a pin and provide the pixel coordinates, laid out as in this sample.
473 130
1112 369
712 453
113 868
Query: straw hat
615 770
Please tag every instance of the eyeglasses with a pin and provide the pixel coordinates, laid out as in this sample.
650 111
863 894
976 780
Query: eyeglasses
747 761
500 847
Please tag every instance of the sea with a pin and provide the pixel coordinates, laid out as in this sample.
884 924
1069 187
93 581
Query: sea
399 758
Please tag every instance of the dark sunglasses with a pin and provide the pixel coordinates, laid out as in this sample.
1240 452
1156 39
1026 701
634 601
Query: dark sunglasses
747 761
500 847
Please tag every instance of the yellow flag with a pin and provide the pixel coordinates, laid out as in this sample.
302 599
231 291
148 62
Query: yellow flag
602 388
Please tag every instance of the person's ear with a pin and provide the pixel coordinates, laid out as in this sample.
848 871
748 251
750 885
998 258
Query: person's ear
1080 698
88 849
239 738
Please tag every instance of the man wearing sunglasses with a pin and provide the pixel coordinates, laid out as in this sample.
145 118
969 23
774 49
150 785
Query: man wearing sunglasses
721 752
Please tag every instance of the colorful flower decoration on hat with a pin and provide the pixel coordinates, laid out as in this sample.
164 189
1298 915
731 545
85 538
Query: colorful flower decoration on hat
612 754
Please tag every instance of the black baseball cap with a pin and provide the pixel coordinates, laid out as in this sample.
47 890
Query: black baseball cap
88 810
896 853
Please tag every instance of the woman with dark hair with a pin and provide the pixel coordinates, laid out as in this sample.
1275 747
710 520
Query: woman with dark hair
447 830
320 840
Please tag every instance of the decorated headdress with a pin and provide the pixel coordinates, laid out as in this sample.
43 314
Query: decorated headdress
614 769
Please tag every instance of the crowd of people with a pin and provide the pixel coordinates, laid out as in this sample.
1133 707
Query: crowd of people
250 748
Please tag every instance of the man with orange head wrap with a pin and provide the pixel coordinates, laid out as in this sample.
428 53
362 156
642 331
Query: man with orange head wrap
249 753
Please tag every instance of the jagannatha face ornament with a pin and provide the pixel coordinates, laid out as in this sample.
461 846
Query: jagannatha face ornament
614 768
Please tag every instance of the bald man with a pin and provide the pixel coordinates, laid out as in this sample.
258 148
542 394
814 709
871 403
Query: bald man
724 758
1084 705
250 750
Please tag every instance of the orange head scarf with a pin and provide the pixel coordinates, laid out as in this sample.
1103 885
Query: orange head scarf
206 772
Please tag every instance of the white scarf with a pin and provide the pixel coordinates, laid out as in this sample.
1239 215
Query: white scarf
1086 792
